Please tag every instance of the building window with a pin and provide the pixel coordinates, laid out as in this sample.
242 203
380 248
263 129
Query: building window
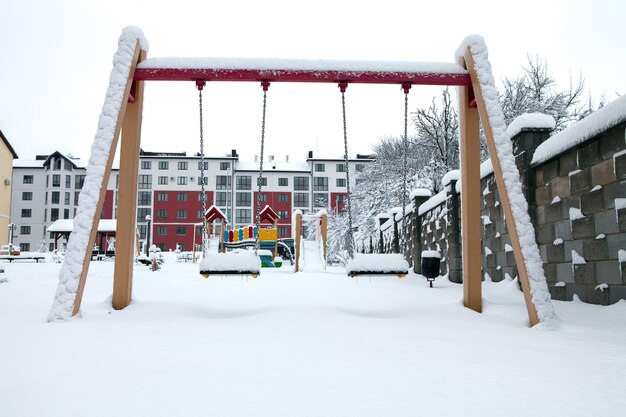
301 183
224 166
202 165
283 198
242 216
25 247
320 199
222 199
283 182
66 214
262 197
244 182
163 180
181 180
203 181
164 165
56 197
144 198
27 212
222 182
341 198
320 167
67 165
24 230
320 184
162 197
56 180
79 181
183 165
283 214
142 231
57 164
262 180
283 231
199 214
161 214
181 197
358 181
243 199
359 167
181 230
68 181
54 214
341 182
301 199
341 167
181 214
145 182
76 194
161 230
66 198
142 212
27 179
146 164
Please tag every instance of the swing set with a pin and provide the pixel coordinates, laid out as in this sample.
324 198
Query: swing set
474 107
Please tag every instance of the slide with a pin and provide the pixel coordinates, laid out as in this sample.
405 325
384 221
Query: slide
312 256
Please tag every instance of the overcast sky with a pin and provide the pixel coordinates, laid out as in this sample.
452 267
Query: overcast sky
56 57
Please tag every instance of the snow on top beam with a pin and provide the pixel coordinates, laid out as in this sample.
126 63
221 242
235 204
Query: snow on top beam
299 70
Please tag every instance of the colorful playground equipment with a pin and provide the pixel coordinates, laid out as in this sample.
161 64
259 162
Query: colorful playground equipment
246 236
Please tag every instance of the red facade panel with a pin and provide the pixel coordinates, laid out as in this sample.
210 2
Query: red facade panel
174 216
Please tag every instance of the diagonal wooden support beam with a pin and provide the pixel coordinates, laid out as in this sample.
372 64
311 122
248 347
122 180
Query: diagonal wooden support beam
502 191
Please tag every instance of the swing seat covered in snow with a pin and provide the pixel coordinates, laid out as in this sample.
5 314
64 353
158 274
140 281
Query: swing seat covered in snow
378 264
231 263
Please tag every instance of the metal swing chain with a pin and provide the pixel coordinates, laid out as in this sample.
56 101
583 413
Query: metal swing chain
265 85
200 85
343 87
405 87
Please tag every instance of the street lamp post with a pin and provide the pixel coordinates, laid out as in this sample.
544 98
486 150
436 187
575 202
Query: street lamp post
148 220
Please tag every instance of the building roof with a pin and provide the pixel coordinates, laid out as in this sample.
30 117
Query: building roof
6 142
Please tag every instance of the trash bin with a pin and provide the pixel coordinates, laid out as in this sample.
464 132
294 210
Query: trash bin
430 265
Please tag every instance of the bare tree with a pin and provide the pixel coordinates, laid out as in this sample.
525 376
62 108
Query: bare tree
536 91
437 138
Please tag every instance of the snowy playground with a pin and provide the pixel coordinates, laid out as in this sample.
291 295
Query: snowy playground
300 344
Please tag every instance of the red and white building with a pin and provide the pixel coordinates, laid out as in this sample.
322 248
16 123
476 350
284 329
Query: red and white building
169 192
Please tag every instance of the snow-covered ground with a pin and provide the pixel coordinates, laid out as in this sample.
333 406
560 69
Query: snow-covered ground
306 344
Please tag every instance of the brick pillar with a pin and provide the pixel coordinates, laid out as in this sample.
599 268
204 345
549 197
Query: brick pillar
419 198
524 145
395 244
381 241
454 253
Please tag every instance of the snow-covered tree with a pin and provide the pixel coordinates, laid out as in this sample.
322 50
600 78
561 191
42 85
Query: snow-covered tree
437 139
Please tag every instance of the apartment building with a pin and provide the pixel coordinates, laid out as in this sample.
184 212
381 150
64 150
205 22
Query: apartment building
169 193
46 189
7 156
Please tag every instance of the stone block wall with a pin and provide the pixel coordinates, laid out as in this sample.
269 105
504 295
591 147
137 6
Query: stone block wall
577 221
577 202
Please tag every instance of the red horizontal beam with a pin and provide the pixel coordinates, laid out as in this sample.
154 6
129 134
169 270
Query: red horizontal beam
301 76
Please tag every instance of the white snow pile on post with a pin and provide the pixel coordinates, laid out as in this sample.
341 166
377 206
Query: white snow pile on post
531 121
540 295
236 261
72 268
597 122
377 263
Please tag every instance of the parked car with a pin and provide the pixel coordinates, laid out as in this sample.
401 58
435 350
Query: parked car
15 250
